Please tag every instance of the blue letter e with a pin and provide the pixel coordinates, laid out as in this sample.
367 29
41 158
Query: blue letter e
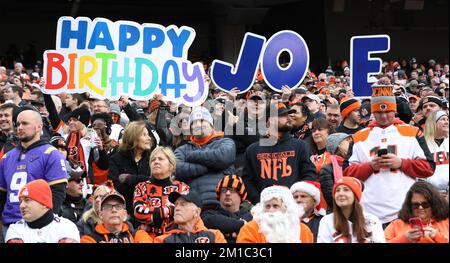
362 65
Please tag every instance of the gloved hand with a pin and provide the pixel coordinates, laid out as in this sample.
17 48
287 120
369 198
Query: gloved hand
125 178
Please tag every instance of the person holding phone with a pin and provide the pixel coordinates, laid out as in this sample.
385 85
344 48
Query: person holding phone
388 156
422 219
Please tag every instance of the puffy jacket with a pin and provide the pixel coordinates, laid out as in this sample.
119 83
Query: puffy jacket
102 235
123 162
201 167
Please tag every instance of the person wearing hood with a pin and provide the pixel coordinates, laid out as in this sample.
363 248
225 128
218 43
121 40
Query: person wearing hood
204 160
32 159
279 159
388 156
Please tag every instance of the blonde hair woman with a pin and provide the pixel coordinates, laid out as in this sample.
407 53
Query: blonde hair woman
436 136
151 205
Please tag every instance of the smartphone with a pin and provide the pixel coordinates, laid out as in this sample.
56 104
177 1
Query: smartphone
416 222
382 152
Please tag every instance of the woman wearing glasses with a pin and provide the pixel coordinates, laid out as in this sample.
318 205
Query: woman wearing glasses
422 219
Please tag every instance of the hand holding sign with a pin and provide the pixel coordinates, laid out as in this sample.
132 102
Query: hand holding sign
286 93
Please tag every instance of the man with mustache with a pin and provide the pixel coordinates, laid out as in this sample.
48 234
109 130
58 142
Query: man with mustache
280 159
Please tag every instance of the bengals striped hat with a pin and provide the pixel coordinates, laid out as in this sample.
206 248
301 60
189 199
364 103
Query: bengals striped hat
383 98
349 105
232 181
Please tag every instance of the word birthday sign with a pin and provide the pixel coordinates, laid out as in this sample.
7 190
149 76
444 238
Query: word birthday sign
110 59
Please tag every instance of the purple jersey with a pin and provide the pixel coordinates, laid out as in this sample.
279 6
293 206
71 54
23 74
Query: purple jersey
18 168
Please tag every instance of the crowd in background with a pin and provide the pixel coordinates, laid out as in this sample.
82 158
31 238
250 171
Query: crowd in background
335 167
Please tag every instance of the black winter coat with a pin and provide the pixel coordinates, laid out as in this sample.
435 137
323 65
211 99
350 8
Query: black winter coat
228 223
326 179
122 162
73 208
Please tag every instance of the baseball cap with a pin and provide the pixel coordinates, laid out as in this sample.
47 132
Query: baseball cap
413 97
280 108
187 195
220 100
311 97
112 195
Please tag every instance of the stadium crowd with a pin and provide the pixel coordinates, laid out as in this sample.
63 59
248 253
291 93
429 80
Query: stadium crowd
327 167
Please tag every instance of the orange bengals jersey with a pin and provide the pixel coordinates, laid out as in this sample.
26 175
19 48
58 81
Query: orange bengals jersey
151 204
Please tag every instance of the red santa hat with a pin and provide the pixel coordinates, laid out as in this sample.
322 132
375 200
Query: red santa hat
310 187
313 189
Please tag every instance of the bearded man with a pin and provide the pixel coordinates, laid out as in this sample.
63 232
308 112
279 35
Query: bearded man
276 219
283 162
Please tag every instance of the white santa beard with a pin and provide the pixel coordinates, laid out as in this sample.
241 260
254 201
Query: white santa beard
278 227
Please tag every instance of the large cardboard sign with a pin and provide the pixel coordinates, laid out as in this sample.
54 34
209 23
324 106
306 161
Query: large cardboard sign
256 52
109 59
362 64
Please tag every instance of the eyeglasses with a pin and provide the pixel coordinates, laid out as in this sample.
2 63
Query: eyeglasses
226 189
78 181
109 207
424 205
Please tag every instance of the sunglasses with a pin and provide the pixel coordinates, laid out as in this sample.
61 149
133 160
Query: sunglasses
424 205
226 189
78 181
